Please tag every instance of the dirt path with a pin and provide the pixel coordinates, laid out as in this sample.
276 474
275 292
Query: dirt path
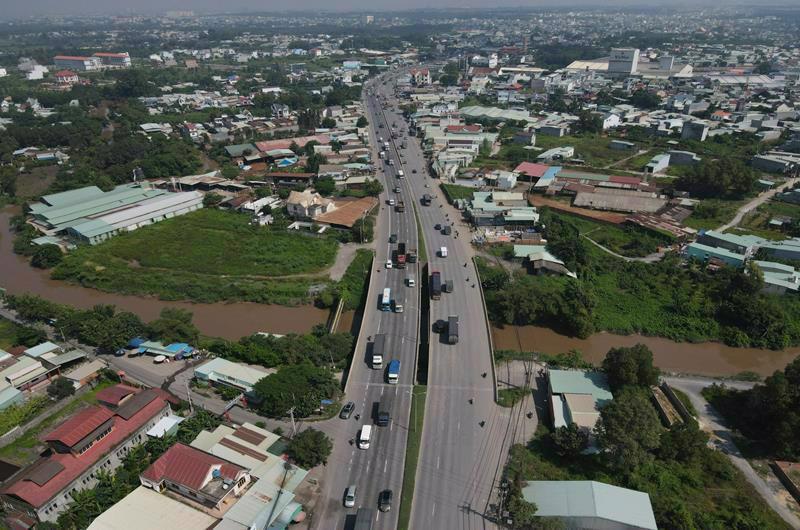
755 203
637 153
344 257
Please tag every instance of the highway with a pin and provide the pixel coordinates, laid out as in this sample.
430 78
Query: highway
461 461
381 466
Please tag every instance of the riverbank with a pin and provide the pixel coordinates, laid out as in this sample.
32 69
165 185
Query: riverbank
704 358
226 320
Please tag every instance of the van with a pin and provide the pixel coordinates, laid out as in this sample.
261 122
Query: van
364 437
443 252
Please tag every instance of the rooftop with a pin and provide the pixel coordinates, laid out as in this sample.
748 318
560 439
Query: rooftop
589 499
151 511
580 382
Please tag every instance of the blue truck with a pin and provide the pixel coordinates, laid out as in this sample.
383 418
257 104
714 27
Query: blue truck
394 372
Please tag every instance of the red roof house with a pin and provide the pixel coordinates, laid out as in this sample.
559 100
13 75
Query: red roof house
531 169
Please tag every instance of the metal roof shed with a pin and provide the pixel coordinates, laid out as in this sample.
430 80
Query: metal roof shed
591 505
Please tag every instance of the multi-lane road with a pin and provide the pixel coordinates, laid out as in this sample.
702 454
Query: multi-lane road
381 466
465 435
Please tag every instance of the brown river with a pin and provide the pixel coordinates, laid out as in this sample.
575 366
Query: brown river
227 320
234 320
705 358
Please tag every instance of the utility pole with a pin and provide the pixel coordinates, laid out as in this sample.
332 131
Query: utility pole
189 396
294 428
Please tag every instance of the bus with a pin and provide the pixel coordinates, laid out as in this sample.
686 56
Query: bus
386 300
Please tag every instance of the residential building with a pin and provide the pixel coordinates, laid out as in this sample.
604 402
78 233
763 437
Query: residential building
221 371
270 502
308 204
778 277
151 511
93 439
586 504
196 475
420 76
67 77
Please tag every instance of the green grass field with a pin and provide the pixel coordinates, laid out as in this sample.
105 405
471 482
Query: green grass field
455 192
710 214
205 256
631 241
8 333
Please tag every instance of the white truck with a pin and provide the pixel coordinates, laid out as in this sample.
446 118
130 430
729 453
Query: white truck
378 346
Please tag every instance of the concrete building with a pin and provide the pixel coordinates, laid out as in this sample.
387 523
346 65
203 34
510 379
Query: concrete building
585 504
201 477
682 158
623 61
694 130
151 511
657 164
307 204
221 371
114 60
77 63
95 438
577 396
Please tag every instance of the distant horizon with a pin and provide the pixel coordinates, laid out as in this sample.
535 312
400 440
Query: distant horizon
55 8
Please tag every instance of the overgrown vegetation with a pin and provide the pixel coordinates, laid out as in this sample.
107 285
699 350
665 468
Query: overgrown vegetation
302 387
204 256
670 298
103 326
690 485
767 414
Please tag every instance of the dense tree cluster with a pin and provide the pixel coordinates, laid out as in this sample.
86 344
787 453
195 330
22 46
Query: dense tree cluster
301 387
310 448
768 413
724 178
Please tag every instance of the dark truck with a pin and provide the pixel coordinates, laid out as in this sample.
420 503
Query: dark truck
401 256
400 206
452 329
384 411
436 285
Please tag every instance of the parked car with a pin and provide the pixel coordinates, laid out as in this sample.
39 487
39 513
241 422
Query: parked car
347 410
385 500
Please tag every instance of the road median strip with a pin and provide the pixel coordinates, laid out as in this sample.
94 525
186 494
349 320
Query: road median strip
416 420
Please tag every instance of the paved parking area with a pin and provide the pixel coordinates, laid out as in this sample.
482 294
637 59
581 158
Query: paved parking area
143 368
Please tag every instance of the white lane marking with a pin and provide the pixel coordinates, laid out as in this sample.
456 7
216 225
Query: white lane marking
433 510
459 426
438 462
385 465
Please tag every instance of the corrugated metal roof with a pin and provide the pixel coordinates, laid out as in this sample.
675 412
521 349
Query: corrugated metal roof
585 498
580 382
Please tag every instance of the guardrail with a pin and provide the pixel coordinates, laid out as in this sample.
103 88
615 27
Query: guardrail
488 328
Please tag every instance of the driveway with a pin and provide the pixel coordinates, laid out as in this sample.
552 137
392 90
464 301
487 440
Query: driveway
711 421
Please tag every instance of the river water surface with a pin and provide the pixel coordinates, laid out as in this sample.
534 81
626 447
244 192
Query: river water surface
227 320
706 358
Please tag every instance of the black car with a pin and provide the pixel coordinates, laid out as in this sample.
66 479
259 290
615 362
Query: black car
347 410
393 238
437 226
413 170
385 500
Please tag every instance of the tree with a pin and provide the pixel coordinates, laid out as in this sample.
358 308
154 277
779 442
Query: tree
174 325
212 200
328 123
60 388
724 178
630 367
132 84
373 187
47 256
325 186
683 442
301 386
570 441
628 430
314 161
310 448
646 99
589 122
362 122
363 230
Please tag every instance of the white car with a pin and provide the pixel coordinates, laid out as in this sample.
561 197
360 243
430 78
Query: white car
410 281
350 497
388 264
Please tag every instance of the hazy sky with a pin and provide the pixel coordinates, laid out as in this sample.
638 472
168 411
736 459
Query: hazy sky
24 8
